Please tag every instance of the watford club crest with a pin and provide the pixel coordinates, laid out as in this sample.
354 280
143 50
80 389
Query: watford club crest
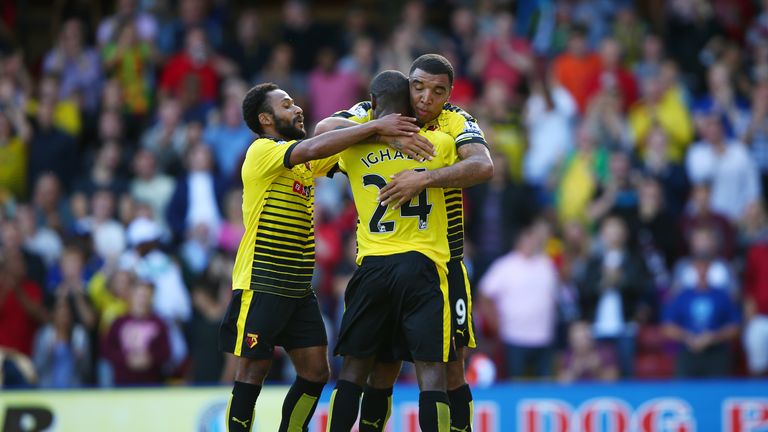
251 339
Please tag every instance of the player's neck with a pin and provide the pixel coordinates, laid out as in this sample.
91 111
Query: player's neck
272 133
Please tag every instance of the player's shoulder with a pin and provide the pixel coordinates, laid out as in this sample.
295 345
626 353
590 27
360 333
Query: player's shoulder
455 112
266 145
359 110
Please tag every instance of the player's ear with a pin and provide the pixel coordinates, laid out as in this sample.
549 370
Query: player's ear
265 119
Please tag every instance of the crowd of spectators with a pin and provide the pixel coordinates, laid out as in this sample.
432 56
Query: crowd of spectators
624 233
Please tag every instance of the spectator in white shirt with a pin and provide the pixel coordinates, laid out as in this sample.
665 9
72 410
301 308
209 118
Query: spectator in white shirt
150 186
549 115
727 165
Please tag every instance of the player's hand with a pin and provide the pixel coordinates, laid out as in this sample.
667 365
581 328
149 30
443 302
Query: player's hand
415 146
403 187
396 124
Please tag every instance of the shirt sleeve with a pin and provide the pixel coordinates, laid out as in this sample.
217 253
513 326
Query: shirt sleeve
266 158
465 130
321 167
359 113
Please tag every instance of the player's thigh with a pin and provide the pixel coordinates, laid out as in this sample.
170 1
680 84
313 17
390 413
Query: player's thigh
425 313
460 297
366 324
253 322
305 327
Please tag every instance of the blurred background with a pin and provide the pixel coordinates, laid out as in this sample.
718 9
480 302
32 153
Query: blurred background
623 236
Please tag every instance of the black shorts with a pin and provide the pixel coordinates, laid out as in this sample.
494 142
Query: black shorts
397 300
460 297
256 322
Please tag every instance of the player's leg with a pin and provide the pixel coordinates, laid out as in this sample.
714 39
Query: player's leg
459 392
312 373
434 406
345 399
246 331
376 406
305 341
426 324
249 378
363 326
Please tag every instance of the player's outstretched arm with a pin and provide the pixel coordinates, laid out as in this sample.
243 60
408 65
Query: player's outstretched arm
474 167
332 142
415 145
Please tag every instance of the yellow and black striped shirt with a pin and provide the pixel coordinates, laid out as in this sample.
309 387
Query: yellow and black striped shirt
464 129
277 252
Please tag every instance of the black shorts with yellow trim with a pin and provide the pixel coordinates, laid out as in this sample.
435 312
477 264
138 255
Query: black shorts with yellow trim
460 296
256 322
397 300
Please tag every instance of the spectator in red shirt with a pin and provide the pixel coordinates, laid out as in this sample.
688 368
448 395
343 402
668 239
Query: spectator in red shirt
195 62
612 75
21 309
503 56
576 66
137 345
756 308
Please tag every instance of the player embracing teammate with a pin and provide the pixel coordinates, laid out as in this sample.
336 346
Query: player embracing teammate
409 299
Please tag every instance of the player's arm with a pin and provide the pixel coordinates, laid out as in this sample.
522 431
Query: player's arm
415 145
335 141
474 167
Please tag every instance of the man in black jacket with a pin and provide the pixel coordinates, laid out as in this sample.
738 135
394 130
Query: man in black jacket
614 292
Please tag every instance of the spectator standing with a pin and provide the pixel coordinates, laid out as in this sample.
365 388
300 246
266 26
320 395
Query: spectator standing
755 337
151 186
665 109
127 11
14 151
549 114
580 175
612 76
247 50
518 297
704 320
171 298
78 66
614 291
129 60
196 198
137 344
656 162
503 56
727 165
51 149
576 66
167 138
330 87
229 138
62 350
21 309
705 257
197 64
